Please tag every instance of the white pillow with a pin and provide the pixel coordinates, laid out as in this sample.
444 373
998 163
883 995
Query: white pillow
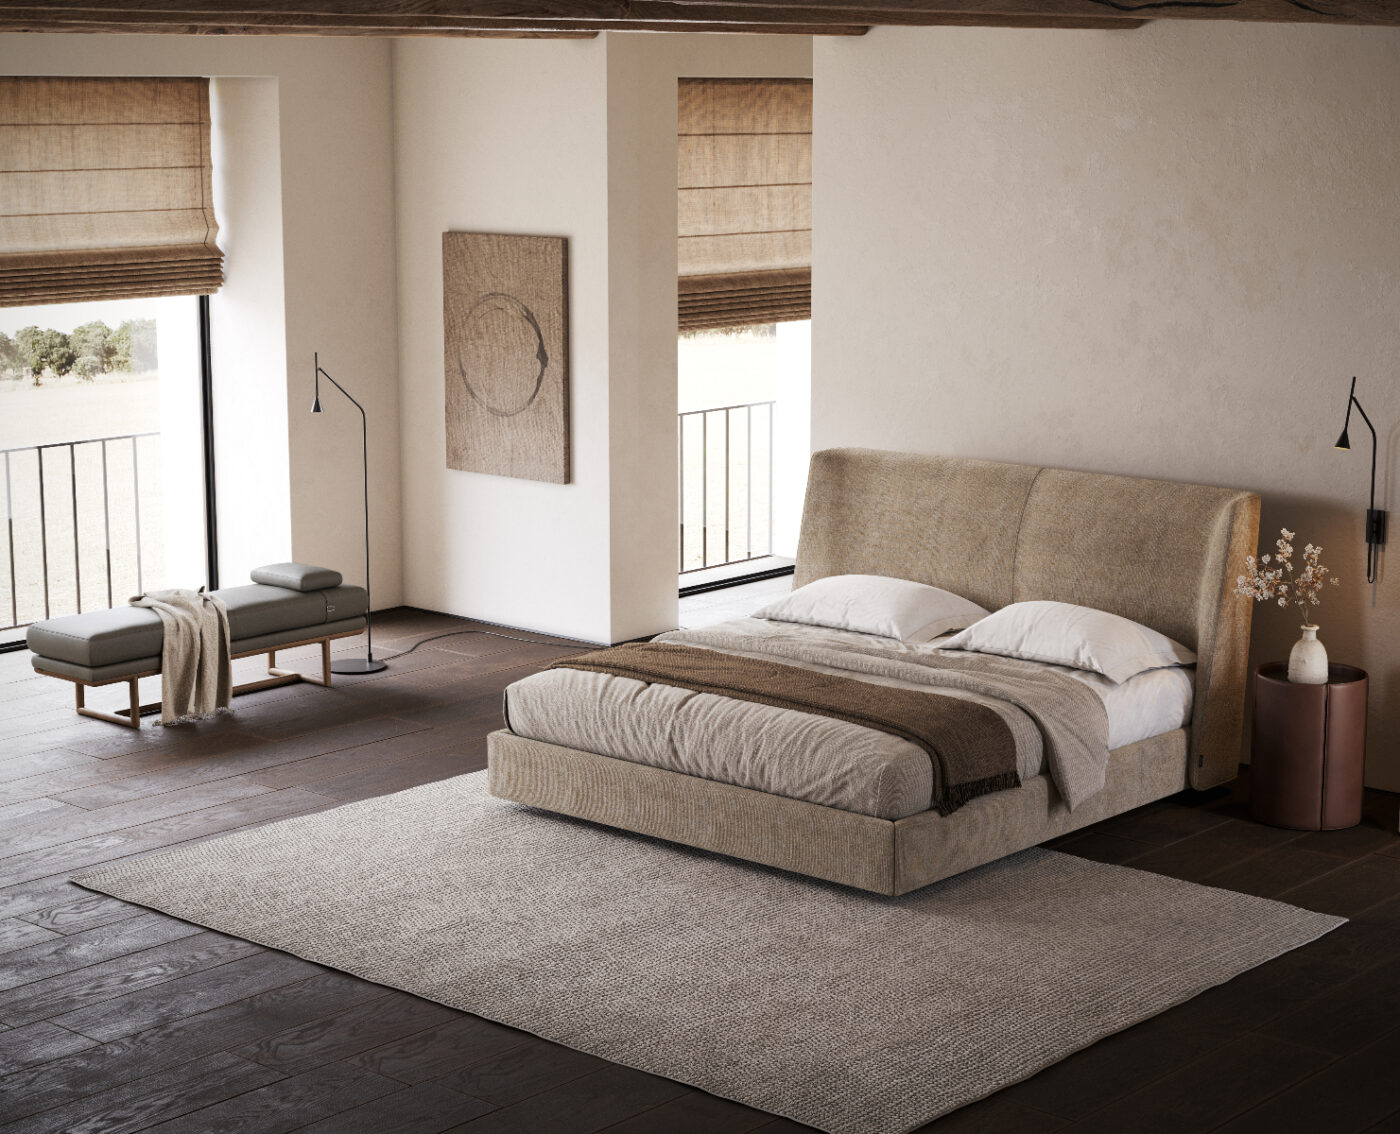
874 604
1077 636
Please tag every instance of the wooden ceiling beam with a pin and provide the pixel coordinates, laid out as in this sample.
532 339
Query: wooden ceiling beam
1378 13
804 17
640 15
245 23
670 10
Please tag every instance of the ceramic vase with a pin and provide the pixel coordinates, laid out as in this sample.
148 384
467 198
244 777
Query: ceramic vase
1307 663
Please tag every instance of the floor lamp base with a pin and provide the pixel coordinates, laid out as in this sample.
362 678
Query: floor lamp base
358 665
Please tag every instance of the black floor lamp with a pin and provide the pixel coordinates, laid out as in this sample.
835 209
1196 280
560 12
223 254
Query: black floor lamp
366 664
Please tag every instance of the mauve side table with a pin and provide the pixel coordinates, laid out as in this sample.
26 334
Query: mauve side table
1308 752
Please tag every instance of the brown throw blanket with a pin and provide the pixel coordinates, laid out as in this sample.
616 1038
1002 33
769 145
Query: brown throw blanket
970 746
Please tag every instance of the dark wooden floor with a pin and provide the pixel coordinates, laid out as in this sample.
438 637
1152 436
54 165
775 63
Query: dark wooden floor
116 1019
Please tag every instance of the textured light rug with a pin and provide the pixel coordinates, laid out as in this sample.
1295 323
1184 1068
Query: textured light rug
854 1013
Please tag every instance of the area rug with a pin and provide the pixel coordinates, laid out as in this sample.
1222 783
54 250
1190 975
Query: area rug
853 1013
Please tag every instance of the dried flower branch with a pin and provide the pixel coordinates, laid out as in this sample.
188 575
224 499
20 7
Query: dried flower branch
1263 582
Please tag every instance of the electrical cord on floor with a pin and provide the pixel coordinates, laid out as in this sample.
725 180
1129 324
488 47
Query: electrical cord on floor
458 633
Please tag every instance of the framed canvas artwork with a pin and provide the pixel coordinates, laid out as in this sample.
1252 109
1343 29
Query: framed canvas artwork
506 354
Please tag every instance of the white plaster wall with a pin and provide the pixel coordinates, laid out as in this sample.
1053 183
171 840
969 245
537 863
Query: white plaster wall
504 136
181 442
248 333
577 139
304 188
792 434
1160 252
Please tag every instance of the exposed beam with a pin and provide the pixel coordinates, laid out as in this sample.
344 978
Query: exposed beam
1382 12
1359 12
640 15
9 23
244 23
961 20
835 17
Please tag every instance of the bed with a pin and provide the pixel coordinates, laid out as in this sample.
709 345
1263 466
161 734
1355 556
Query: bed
836 802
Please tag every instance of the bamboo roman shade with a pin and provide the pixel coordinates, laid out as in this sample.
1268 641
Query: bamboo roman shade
105 190
745 201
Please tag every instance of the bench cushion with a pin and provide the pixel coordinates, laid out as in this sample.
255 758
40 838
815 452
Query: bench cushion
101 638
98 675
297 576
258 609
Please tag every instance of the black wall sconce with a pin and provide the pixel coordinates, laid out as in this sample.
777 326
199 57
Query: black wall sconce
1375 517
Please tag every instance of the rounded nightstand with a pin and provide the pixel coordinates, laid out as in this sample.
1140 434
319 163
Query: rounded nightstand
1308 751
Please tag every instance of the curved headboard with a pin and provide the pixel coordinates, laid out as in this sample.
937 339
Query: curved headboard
1160 553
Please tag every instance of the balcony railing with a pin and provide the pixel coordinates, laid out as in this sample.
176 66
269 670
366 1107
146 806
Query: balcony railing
73 526
726 485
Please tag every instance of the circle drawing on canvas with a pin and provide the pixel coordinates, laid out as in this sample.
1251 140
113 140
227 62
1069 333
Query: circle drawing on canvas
502 349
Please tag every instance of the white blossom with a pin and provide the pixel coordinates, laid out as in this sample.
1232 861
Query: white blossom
1261 582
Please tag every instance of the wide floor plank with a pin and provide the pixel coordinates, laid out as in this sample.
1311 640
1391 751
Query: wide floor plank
288 1104
151 1099
385 1019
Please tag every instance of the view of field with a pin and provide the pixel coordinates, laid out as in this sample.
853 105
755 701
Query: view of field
94 518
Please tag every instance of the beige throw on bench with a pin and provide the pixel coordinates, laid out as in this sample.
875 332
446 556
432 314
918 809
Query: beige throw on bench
195 671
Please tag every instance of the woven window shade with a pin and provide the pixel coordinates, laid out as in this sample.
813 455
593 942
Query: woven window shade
105 190
744 176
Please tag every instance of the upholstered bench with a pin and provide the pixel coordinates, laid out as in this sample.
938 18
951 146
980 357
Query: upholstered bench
287 604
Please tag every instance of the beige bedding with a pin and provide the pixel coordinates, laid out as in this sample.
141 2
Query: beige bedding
1056 721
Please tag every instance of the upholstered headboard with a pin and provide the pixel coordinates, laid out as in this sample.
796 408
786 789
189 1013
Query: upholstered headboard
1160 553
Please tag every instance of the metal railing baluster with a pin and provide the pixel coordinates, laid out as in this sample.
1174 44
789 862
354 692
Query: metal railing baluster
106 522
687 490
10 530
136 496
705 490
748 482
44 531
77 555
727 479
16 546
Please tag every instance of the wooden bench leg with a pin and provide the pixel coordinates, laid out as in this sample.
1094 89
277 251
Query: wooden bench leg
132 719
286 676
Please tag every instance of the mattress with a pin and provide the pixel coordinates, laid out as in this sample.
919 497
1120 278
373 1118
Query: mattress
800 755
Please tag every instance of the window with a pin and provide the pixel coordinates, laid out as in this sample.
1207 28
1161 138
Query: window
744 400
106 208
101 455
744 255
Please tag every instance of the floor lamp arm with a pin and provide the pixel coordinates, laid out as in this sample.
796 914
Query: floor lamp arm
371 665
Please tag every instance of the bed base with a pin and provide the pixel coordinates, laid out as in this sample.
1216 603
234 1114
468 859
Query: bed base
135 710
879 855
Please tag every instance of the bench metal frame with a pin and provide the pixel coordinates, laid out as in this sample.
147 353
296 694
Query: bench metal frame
132 717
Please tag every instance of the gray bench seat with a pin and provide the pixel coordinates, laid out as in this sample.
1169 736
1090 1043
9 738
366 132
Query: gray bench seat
106 645
293 604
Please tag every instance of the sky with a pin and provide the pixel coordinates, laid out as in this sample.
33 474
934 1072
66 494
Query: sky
65 316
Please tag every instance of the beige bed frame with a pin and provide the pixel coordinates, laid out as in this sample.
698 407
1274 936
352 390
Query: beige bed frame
1161 553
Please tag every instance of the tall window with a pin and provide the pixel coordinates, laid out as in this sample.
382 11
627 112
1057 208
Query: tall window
107 235
101 456
744 176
